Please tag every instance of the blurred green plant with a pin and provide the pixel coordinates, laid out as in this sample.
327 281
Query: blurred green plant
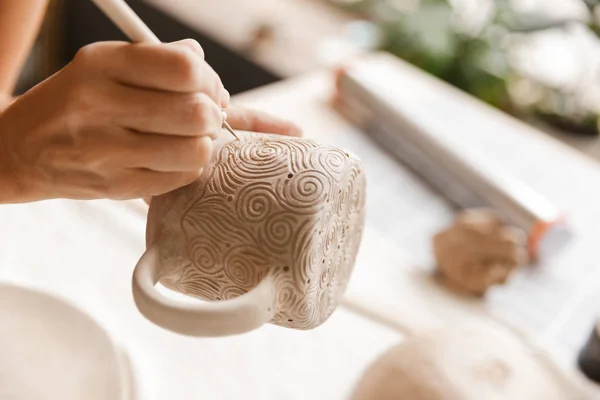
474 54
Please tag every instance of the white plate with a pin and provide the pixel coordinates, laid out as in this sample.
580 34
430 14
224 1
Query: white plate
51 350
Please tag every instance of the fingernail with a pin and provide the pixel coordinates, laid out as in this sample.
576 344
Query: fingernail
225 98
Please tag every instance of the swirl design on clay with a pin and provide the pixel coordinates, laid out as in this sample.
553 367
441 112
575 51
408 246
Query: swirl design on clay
263 157
255 202
204 255
287 291
333 163
245 265
303 251
307 190
355 195
280 231
215 220
199 285
224 182
330 239
269 203
231 292
306 313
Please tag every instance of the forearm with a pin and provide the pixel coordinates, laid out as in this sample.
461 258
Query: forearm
9 186
5 101
20 21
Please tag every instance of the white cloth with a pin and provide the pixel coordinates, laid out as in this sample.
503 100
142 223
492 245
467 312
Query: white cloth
86 251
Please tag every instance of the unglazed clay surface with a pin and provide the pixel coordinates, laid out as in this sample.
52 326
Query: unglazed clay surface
473 362
478 251
267 203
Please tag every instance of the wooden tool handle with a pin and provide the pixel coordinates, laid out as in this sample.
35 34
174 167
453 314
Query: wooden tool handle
127 20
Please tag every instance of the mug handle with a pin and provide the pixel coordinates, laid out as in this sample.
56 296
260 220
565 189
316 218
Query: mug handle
209 319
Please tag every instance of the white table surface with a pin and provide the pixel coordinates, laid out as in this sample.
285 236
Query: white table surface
86 252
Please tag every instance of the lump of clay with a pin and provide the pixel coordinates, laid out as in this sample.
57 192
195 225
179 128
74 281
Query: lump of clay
478 251
473 362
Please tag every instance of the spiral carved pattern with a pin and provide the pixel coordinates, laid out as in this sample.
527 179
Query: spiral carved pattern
253 202
267 203
241 262
203 255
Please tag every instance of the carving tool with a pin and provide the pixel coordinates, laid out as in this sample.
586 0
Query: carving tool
137 31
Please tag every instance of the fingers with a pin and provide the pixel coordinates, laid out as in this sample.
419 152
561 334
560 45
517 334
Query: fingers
175 67
196 48
167 153
513 235
190 44
257 121
136 183
183 114
112 150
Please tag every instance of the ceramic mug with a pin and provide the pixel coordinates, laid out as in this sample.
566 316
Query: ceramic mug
268 233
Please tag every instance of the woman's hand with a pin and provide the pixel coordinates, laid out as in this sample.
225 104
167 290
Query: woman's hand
256 121
120 121
5 101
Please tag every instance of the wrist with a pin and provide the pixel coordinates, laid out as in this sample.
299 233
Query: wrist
11 188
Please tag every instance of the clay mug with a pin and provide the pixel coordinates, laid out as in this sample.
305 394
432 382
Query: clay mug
268 233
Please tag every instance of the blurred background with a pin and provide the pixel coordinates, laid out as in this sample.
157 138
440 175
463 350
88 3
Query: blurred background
535 59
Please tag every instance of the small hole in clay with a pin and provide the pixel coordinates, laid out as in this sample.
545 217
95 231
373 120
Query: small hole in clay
323 261
290 320
290 176
338 246
227 245
229 198
308 281
319 232
340 191
286 269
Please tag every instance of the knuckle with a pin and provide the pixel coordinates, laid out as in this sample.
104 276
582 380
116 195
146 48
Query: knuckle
199 111
200 151
91 54
186 65
216 88
195 46
85 54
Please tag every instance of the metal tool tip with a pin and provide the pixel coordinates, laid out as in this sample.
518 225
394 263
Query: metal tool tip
230 130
